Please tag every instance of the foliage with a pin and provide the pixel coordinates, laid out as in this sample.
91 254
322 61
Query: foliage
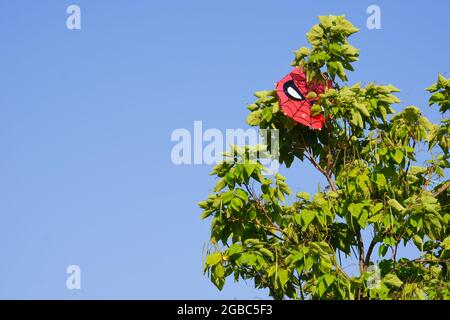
368 155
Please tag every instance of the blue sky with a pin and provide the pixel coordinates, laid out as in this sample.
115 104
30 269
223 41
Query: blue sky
86 116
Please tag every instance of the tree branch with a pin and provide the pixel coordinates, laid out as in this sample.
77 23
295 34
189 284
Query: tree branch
360 258
394 255
442 189
314 162
361 250
266 214
369 251
333 165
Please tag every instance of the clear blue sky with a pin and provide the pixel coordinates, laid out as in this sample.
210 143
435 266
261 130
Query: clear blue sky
86 117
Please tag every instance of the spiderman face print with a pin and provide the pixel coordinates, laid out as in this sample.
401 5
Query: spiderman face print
292 93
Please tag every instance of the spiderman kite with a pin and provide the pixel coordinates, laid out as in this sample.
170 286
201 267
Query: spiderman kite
292 93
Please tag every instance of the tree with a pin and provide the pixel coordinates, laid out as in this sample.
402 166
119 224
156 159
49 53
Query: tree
368 155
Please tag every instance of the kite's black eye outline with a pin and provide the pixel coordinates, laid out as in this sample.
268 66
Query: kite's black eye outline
291 90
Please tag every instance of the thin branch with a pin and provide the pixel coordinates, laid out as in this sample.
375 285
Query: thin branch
333 165
302 295
266 214
442 189
394 256
424 261
361 250
361 258
432 260
372 245
314 162
341 270
256 221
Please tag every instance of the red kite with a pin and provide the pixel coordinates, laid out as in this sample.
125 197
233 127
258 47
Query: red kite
292 93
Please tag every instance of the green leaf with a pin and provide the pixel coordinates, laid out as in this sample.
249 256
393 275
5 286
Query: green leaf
377 207
303 195
237 204
329 279
315 110
446 242
393 280
267 253
206 214
362 219
418 241
380 179
390 241
235 249
396 205
355 209
307 217
251 241
298 218
311 95
356 119
319 57
397 155
445 254
341 71
321 288
263 93
275 107
336 49
362 108
267 114
219 271
319 199
254 118
220 185
382 250
213 258
302 52
283 276
218 282
392 88
253 107
249 168
325 264
442 81
349 50
242 195
383 112
272 270
315 34
432 88
227 197
326 21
